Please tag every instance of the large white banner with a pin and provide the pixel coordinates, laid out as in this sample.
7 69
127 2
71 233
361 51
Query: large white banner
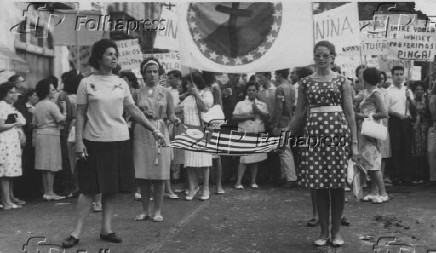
341 27
167 38
246 36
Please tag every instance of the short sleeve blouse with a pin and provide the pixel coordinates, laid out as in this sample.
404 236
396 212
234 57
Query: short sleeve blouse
105 97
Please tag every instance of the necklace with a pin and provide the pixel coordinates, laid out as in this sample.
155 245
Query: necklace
150 90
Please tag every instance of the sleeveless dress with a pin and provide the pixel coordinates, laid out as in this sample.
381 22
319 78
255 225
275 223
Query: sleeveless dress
369 148
324 166
191 117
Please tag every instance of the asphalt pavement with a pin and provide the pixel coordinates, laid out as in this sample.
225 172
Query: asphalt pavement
269 219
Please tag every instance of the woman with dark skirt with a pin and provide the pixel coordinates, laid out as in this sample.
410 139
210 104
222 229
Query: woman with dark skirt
328 97
105 162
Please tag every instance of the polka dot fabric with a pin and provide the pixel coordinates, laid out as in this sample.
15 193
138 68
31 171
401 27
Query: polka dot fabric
10 150
324 163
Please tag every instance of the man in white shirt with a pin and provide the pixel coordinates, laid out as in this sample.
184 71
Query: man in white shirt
398 98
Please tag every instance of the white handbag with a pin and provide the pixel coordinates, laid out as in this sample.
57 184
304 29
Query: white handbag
374 129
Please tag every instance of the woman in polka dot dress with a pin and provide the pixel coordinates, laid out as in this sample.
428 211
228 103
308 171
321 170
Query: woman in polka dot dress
10 145
329 130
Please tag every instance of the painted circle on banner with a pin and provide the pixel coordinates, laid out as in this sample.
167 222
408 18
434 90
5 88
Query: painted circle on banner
195 133
234 34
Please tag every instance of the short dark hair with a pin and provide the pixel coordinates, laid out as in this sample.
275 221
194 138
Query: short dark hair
14 78
265 74
304 72
72 84
209 77
418 83
327 44
43 88
54 80
177 74
146 62
5 88
283 73
395 68
98 50
196 78
28 93
371 76
249 84
131 77
356 72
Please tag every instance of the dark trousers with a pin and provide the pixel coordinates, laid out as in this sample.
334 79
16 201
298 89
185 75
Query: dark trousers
400 131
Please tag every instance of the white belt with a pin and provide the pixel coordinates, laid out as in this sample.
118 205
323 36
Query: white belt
333 108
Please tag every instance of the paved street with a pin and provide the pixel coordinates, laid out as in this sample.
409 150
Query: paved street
266 220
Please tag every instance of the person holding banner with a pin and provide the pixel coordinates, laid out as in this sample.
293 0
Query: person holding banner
152 162
328 96
197 100
105 164
251 115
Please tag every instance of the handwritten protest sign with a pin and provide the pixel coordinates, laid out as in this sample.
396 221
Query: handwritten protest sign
341 27
373 39
169 61
130 55
408 38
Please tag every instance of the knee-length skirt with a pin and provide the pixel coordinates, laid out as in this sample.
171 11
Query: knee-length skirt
151 161
324 164
107 169
48 153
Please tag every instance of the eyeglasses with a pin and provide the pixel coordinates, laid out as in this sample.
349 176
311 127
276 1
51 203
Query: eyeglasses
324 56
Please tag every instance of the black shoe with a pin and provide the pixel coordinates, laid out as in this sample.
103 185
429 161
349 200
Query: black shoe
111 237
70 242
345 222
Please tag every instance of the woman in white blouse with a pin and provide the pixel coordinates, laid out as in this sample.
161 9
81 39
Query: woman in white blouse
197 100
251 115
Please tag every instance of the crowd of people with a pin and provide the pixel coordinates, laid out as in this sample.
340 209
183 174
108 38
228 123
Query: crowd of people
109 132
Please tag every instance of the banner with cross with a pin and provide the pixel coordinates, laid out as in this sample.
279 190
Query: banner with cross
245 36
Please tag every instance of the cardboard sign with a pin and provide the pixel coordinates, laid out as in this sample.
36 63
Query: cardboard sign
130 55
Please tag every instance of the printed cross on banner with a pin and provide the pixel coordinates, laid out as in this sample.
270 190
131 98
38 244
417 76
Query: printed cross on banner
169 5
234 13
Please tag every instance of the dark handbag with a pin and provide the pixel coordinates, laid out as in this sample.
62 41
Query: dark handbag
11 119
